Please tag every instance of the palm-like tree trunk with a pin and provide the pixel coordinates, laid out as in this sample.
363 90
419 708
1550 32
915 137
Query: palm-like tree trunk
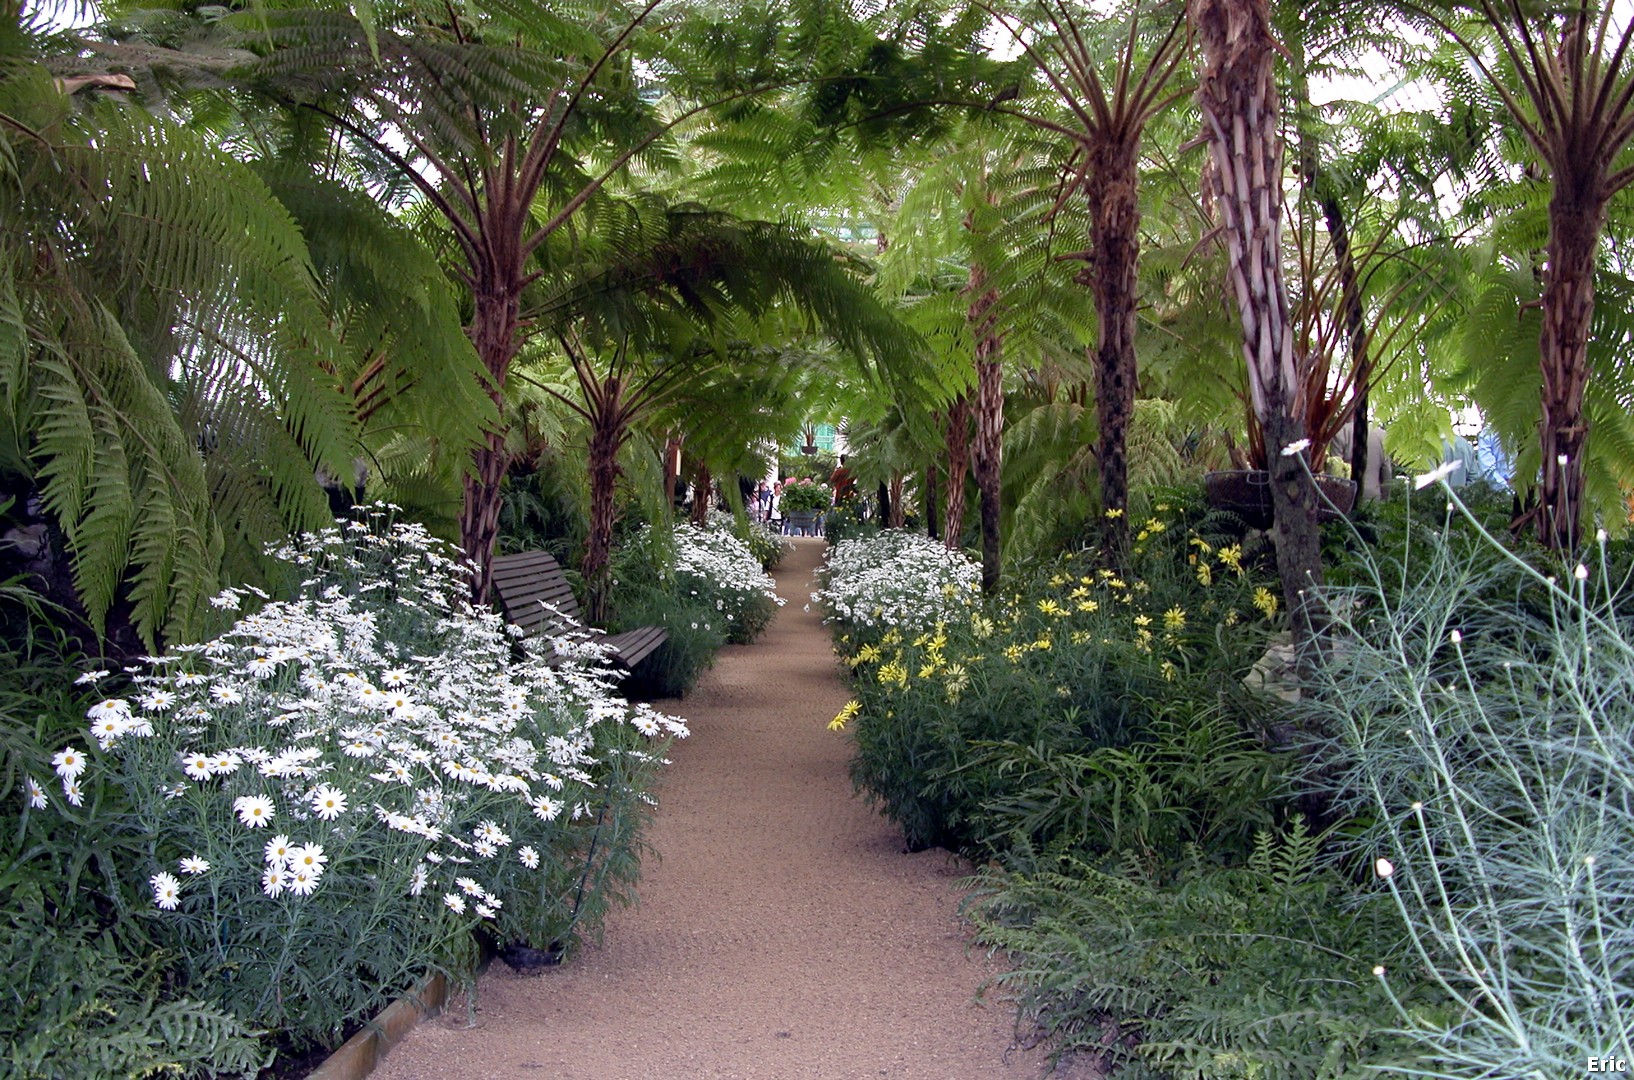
608 430
958 468
1576 216
493 332
989 419
1237 93
1110 187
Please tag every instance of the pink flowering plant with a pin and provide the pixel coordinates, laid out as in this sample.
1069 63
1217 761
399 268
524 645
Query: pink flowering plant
800 494
336 791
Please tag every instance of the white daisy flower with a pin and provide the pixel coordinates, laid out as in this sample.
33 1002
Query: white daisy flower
226 695
529 857
35 793
254 811
454 902
301 881
71 792
167 891
91 677
417 881
70 762
328 802
157 700
308 857
274 879
546 808
193 864
198 766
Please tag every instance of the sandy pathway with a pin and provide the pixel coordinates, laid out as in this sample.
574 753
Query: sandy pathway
782 933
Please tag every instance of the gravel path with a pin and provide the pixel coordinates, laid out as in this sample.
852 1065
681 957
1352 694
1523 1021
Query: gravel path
781 934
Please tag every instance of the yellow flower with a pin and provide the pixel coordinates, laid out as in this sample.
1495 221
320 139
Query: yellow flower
1143 620
1162 508
1231 556
1080 637
1116 582
1058 580
1043 643
868 654
1201 545
928 670
1050 607
1088 605
957 680
1205 575
1077 594
1265 601
1170 672
1154 525
1013 653
1114 512
892 638
1143 535
982 627
847 713
1106 575
1231 617
1174 619
893 672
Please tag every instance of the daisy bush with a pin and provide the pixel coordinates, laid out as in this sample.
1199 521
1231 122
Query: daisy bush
768 547
338 789
895 578
702 584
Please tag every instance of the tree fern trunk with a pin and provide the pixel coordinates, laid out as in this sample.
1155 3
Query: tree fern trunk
899 514
1576 216
989 420
1114 229
933 512
606 435
1238 97
493 333
958 469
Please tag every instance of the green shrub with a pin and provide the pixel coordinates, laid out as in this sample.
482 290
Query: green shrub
1071 676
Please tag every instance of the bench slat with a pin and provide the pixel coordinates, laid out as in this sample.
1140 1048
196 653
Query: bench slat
522 580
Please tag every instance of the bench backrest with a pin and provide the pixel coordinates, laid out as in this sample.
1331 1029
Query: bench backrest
522 581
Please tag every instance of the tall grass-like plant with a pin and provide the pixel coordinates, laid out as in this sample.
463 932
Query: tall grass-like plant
1487 737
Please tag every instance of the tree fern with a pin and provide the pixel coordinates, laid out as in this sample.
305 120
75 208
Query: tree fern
163 357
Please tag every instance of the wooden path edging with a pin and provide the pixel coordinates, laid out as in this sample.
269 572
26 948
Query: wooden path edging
358 1056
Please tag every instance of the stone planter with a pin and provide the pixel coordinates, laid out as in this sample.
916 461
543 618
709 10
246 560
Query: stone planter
1247 493
804 522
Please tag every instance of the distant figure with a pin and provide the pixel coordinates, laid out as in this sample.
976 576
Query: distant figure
763 503
1493 459
843 483
1375 479
1460 452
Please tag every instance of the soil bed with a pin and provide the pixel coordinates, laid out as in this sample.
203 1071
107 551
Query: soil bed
782 931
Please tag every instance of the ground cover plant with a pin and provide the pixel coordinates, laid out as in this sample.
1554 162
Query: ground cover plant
327 799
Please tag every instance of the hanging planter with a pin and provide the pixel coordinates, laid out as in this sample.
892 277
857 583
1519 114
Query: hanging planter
1247 493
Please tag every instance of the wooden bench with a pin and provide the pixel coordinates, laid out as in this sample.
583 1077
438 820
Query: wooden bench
527 581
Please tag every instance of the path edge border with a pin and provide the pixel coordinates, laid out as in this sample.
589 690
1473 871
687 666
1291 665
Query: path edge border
360 1055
